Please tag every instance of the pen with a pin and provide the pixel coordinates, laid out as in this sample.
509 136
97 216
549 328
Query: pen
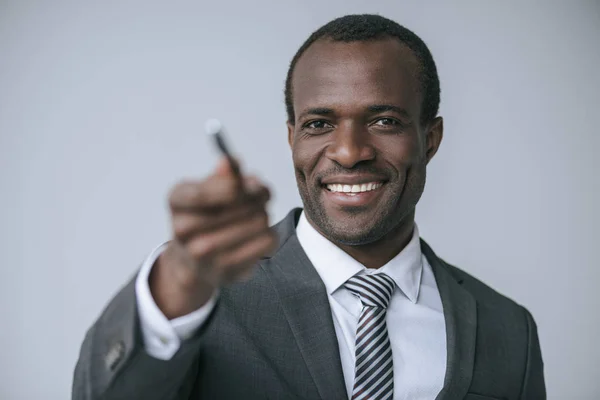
214 129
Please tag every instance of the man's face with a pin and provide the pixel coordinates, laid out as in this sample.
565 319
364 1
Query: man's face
358 147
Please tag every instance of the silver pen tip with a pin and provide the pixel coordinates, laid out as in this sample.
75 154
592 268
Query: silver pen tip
213 126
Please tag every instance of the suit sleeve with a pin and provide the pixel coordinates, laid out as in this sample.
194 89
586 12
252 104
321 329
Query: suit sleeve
162 337
114 364
534 387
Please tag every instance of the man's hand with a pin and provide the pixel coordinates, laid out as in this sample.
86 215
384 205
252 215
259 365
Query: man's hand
220 230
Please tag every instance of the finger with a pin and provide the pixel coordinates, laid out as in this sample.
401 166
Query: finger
207 246
223 167
186 224
228 167
214 193
209 193
233 263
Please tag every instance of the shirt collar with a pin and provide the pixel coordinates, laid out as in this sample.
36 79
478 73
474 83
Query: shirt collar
335 266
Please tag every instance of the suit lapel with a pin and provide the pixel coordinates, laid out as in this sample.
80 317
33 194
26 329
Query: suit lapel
460 314
306 307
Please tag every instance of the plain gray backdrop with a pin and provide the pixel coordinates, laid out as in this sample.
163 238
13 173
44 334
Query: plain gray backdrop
102 107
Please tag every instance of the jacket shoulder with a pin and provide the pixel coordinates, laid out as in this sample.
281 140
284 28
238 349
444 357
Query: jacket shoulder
482 292
506 336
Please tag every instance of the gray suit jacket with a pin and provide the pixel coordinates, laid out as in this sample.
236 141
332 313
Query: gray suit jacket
272 337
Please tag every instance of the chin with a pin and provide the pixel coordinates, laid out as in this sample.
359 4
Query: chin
353 224
356 230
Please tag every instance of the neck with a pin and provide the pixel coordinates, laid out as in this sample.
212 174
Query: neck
377 254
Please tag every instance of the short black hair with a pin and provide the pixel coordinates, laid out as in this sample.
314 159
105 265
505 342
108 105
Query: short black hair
365 27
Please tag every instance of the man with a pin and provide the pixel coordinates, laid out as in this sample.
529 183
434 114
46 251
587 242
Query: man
339 300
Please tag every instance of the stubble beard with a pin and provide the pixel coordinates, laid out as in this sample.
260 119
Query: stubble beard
394 209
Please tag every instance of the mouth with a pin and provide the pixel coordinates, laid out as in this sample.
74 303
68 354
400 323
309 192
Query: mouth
353 189
352 194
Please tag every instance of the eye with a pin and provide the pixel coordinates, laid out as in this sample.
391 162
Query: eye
388 125
317 125
387 122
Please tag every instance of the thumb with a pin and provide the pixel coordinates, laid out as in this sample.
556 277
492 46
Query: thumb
224 167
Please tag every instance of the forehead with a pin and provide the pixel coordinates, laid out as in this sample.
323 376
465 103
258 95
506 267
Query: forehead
358 73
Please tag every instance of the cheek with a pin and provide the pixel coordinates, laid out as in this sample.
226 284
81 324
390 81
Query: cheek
299 156
401 151
306 156
301 160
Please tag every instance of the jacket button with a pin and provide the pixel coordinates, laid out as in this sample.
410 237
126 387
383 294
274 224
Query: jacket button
114 355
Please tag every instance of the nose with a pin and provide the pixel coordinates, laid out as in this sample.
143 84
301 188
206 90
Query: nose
350 146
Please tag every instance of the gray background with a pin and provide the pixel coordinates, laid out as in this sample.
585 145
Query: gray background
102 107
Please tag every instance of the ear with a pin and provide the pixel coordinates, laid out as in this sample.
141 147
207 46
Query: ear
434 137
290 133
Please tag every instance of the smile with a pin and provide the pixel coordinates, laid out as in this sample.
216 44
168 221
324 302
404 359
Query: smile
353 189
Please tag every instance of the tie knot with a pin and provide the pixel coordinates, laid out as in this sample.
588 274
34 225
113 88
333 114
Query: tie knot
372 290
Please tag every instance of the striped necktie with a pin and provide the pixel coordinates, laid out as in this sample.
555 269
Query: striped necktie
374 372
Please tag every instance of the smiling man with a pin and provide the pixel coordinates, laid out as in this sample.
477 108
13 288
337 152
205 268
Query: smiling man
341 299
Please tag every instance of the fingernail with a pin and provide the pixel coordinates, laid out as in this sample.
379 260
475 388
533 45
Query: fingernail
253 185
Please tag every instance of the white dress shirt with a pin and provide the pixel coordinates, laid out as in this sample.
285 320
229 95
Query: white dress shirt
415 318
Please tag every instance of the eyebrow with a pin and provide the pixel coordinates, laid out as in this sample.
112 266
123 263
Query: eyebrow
317 111
379 108
375 108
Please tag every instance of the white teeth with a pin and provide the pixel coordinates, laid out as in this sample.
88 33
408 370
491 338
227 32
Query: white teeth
352 189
